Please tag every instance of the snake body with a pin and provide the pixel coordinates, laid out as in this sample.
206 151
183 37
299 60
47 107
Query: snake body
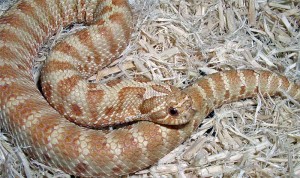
64 132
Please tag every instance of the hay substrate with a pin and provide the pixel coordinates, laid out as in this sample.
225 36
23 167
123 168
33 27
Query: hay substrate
177 42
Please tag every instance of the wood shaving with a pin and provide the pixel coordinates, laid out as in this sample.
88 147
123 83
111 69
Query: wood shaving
176 42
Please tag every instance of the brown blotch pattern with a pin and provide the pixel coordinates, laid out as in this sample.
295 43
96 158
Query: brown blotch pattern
109 111
206 87
150 104
81 168
285 82
9 36
61 140
161 89
94 97
81 12
56 65
100 22
7 72
85 38
101 152
108 35
11 91
83 68
120 19
6 53
196 97
67 143
30 11
250 81
105 10
68 49
243 90
51 20
136 94
47 90
263 81
113 83
66 85
46 123
274 84
76 109
218 81
25 109
227 95
128 143
141 79
157 141
120 3
60 108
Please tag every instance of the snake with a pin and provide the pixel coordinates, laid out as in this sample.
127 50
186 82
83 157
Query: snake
108 129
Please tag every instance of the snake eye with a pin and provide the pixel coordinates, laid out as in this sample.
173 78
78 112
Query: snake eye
173 111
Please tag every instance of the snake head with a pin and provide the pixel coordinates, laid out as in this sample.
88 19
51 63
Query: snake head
168 106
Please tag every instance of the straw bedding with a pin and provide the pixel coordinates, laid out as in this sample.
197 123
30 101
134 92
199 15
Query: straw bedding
179 41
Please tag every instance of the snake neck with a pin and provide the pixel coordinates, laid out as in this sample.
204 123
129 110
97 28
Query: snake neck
214 90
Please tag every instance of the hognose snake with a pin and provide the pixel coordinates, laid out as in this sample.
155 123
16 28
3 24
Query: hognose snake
166 115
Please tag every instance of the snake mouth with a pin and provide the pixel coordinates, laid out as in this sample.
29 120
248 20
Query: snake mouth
129 125
177 123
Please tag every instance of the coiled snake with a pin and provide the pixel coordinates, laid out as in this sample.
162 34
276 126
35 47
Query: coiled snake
66 133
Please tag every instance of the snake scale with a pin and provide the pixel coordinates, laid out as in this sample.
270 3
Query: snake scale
65 131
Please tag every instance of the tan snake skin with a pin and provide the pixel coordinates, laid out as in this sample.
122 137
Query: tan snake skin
166 115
